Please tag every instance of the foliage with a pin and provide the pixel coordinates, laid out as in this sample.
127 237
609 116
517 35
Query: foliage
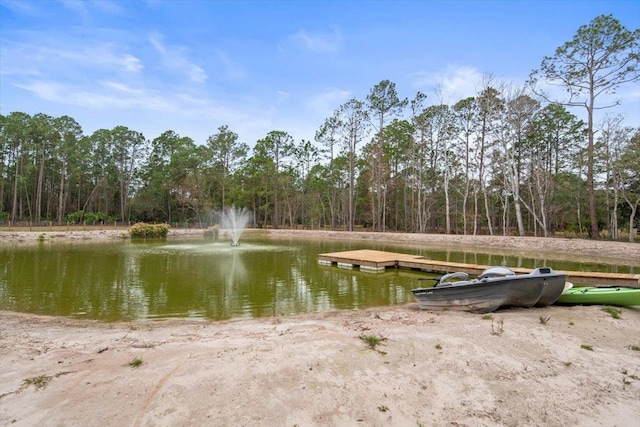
41 381
91 218
372 341
602 56
135 363
500 161
142 230
614 312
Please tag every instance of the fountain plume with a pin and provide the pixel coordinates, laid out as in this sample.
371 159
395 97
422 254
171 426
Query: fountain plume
235 220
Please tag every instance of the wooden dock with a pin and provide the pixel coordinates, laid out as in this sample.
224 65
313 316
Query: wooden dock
378 261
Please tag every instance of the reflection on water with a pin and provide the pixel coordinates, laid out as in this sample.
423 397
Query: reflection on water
209 279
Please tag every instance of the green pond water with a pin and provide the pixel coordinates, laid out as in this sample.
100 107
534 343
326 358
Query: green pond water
210 279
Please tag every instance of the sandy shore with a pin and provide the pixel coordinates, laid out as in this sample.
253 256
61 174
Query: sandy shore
581 368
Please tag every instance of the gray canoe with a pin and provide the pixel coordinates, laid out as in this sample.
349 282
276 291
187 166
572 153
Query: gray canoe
496 287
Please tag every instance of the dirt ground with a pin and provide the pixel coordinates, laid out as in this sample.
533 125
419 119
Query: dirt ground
555 366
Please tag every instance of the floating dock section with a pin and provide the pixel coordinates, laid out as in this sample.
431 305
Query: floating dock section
377 261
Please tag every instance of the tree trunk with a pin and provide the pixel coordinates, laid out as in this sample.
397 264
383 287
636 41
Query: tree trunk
61 194
632 217
593 216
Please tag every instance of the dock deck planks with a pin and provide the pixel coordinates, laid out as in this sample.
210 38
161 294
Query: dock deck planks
376 261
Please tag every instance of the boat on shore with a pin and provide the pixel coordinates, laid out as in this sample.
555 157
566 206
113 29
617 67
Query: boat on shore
600 295
496 287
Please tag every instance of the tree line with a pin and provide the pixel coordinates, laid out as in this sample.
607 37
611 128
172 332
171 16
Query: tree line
509 160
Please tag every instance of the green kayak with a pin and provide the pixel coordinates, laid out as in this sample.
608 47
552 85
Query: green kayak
624 297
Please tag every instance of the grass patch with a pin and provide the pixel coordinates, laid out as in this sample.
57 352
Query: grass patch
372 341
438 346
634 347
544 319
586 347
135 362
487 317
383 408
41 381
614 312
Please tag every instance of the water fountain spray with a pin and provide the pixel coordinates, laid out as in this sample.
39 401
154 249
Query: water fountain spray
235 220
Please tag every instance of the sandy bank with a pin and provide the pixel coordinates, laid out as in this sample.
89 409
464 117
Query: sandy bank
580 368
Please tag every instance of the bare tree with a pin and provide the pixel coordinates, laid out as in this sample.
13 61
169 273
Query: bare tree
602 56
383 103
353 127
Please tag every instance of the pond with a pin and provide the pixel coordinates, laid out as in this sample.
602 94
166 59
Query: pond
210 279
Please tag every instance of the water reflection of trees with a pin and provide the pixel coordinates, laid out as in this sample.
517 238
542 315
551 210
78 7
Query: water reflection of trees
121 281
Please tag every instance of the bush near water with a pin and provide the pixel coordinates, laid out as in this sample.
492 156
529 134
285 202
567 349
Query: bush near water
142 230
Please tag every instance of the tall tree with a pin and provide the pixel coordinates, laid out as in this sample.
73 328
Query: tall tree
418 157
44 139
165 170
70 153
602 56
278 146
513 135
383 103
16 139
227 155
305 155
353 128
628 169
490 105
327 135
399 137
466 119
128 146
552 154
622 145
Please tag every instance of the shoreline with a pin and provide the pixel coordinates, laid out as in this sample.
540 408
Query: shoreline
605 251
516 367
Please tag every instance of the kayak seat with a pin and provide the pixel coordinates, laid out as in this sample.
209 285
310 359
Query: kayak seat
496 272
446 279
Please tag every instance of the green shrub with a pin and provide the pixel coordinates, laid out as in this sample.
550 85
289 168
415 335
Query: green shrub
142 230
91 218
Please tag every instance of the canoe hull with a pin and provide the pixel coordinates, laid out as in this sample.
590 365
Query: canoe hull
618 296
542 287
478 298
551 291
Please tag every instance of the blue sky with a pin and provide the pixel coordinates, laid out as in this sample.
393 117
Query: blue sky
191 66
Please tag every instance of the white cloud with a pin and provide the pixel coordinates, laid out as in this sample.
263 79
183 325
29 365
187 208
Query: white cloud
75 6
107 6
233 69
326 42
282 95
328 100
61 55
82 8
107 95
20 6
175 57
121 87
454 82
